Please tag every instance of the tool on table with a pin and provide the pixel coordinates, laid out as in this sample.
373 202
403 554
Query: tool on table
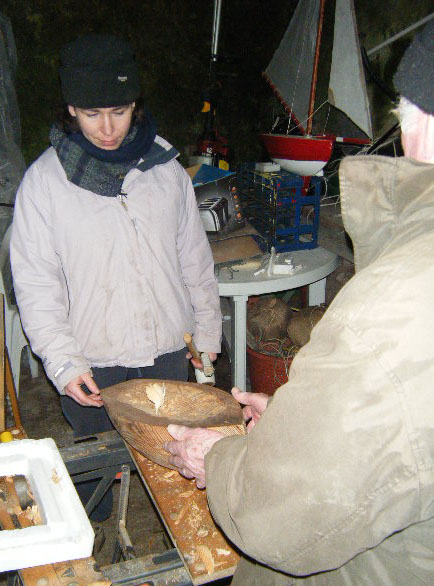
205 376
13 514
25 497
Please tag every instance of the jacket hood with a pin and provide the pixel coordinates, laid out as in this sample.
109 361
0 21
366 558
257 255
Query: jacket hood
384 199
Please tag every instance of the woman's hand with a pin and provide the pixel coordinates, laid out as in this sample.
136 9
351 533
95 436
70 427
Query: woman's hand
198 363
73 389
256 403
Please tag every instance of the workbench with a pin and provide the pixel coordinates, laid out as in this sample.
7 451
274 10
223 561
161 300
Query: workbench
80 572
183 508
201 553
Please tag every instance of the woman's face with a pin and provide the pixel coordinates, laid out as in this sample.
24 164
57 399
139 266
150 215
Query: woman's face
106 128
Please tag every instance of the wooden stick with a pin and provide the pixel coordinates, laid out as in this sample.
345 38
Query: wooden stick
315 70
191 347
10 388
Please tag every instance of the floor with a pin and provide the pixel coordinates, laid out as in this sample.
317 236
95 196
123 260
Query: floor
42 417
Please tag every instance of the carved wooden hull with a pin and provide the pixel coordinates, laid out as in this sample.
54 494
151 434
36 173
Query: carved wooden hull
133 414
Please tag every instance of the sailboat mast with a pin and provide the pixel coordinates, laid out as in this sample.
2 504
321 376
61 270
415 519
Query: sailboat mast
315 69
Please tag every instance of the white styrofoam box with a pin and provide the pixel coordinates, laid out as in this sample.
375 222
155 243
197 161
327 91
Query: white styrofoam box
66 533
267 167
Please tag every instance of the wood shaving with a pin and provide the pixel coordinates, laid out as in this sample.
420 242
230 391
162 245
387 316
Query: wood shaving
170 474
206 557
182 512
186 494
156 394
223 551
33 515
202 532
199 568
195 517
55 477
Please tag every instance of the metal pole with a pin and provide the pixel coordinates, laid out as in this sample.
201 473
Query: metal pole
399 35
216 29
315 69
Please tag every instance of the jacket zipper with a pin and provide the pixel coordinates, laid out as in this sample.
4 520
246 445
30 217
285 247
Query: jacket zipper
122 196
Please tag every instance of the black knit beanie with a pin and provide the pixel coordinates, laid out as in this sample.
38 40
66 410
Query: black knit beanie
414 78
99 71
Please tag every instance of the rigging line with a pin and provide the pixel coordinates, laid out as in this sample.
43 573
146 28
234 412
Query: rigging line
327 119
324 205
314 112
298 68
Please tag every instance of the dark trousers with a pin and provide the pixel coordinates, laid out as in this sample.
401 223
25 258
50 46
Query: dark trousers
87 421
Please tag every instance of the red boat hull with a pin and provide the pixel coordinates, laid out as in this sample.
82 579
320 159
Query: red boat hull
302 155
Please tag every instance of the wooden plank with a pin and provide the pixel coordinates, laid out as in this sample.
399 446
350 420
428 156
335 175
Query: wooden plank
17 432
10 388
184 510
78 572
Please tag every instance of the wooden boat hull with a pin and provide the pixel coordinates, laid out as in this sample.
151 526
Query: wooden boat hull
135 417
302 155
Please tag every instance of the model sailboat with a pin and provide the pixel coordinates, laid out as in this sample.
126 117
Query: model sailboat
292 74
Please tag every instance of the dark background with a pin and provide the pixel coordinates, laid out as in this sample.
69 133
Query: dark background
172 39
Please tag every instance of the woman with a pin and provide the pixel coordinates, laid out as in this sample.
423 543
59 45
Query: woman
110 261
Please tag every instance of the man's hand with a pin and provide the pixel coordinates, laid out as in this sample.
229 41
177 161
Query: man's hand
190 449
73 389
198 363
256 403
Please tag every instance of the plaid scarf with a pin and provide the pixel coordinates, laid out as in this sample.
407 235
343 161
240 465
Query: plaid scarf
98 170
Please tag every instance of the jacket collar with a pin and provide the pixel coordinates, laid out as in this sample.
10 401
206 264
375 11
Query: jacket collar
384 198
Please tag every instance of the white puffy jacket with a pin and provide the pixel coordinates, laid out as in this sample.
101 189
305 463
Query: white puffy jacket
100 282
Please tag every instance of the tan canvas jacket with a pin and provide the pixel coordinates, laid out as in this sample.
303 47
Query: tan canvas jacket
335 484
100 282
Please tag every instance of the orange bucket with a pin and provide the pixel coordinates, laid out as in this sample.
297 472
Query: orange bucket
267 373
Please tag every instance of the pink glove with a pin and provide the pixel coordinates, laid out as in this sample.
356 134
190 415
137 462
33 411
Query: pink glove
190 449
256 403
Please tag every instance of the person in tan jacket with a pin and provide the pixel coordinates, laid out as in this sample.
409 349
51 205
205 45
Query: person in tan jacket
334 483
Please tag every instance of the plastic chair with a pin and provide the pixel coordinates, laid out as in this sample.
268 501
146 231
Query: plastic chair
15 338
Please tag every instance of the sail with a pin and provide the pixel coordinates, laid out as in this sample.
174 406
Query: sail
290 70
347 86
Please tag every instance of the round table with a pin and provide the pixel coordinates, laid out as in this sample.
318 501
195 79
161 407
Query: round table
238 282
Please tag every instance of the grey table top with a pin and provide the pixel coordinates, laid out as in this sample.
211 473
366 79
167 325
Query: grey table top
314 265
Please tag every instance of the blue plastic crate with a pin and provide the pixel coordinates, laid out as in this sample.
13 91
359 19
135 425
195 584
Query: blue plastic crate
283 207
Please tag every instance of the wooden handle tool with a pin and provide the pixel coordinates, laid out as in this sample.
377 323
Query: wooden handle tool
191 347
205 376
